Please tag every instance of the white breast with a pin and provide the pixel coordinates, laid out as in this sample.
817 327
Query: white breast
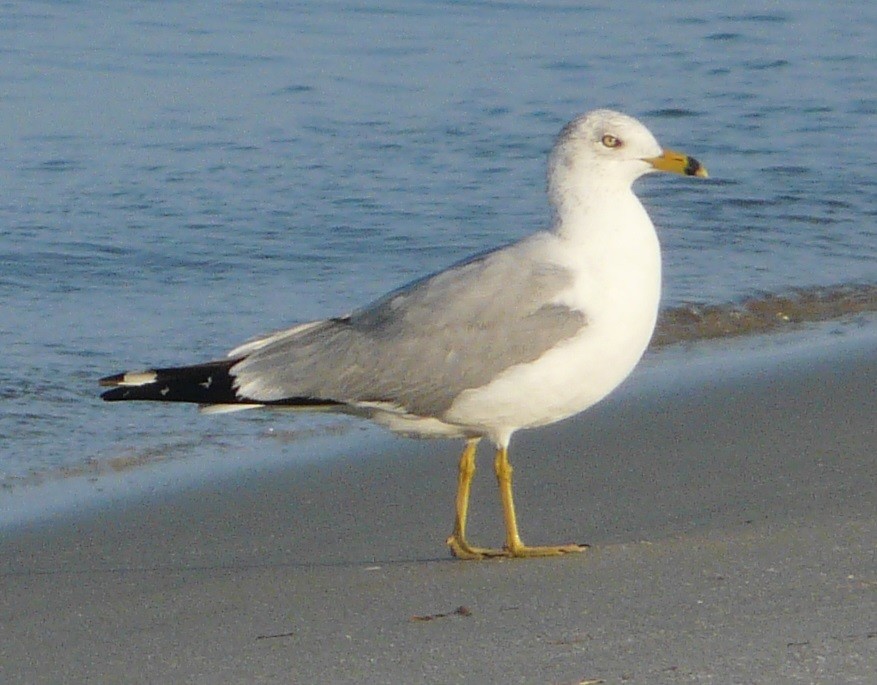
617 285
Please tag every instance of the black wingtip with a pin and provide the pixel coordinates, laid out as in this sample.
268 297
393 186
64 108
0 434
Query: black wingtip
114 395
206 384
209 383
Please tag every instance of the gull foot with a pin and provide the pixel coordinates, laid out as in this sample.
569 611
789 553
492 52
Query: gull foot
523 551
461 549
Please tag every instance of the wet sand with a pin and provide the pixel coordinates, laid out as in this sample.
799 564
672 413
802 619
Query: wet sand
730 502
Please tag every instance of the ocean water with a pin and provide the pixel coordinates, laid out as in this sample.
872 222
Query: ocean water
178 177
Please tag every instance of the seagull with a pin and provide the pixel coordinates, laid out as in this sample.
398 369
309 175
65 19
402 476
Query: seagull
517 337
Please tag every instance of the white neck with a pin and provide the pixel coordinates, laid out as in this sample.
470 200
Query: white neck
609 238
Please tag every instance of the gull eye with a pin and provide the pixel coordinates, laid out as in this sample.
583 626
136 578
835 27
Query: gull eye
610 141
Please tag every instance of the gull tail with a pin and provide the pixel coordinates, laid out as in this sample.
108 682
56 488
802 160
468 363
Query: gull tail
210 383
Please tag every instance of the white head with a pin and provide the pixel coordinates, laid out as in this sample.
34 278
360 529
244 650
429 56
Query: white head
606 149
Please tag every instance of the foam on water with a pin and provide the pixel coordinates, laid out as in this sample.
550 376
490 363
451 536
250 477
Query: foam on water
766 313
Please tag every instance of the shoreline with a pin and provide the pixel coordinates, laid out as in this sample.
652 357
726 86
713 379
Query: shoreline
729 500
117 480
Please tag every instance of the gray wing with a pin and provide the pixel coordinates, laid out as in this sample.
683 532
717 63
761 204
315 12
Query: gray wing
422 345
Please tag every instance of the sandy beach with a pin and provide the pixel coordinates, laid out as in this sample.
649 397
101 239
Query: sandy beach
729 500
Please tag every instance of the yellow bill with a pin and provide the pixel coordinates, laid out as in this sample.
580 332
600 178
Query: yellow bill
677 163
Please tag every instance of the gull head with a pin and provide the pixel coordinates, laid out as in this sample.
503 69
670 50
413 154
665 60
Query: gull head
603 149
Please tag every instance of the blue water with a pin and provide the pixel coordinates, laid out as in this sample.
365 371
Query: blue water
180 176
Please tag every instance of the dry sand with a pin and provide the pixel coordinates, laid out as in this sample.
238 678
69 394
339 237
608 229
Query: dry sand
730 501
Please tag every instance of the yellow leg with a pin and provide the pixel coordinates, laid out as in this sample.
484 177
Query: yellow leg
513 545
460 547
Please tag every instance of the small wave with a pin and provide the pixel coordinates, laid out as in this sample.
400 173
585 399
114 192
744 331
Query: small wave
763 313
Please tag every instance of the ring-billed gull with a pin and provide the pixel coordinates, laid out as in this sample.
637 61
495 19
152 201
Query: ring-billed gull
522 336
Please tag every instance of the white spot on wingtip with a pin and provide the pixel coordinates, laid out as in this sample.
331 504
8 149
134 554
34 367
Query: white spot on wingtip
164 391
135 378
206 384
